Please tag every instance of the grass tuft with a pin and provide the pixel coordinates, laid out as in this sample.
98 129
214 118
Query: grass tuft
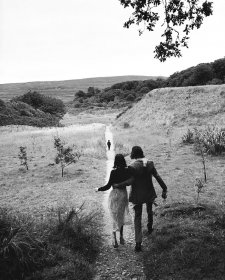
63 244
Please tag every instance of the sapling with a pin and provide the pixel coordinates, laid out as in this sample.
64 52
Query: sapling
199 147
65 155
23 156
200 186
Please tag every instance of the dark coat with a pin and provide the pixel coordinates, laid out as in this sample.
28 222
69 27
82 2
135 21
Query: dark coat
142 189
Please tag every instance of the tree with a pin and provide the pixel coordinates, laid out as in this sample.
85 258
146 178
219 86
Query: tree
44 103
178 18
80 93
219 68
23 157
65 155
202 73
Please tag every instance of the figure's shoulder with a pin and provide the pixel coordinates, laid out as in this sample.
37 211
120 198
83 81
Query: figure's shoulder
113 172
150 164
131 169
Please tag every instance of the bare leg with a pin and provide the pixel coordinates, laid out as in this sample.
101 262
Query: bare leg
115 243
121 236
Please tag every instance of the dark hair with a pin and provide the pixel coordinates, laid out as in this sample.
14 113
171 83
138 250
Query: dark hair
136 152
119 161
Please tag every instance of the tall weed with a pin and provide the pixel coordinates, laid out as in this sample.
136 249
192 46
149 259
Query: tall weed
211 139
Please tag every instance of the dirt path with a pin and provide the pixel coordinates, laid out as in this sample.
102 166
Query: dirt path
121 263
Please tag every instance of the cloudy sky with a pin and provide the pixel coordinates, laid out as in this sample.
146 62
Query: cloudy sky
58 40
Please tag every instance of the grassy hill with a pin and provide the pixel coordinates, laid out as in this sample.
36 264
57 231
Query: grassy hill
64 90
189 227
183 106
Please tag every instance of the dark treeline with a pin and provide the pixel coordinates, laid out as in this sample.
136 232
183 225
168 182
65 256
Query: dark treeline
125 93
203 74
118 95
33 109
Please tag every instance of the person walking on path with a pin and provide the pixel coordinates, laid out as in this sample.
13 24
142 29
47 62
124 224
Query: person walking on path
108 144
118 198
142 191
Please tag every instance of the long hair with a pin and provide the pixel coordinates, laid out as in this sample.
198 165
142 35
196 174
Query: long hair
119 161
136 152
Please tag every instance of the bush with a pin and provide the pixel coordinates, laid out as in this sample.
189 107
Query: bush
2 103
44 103
63 244
20 113
126 125
212 140
188 137
21 251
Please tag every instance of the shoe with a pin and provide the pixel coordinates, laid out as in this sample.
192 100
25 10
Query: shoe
138 247
122 241
115 244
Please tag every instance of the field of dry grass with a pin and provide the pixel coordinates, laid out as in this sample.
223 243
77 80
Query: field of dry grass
188 243
40 198
89 116
158 122
178 107
41 186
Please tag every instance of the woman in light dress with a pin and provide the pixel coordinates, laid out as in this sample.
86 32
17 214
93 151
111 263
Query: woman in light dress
118 199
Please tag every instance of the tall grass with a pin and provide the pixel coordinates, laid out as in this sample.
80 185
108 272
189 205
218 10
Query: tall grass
189 243
211 139
121 148
63 242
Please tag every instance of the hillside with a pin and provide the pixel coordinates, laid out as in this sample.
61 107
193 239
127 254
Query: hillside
64 90
32 109
183 106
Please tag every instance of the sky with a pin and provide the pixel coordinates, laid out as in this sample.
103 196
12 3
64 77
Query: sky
47 40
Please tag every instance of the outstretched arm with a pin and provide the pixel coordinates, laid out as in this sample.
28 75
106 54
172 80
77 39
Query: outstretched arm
108 185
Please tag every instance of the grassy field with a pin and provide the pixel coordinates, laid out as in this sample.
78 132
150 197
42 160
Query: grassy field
90 116
178 107
188 241
39 198
64 90
42 186
189 237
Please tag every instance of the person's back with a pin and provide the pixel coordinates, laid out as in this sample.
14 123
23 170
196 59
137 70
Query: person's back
142 189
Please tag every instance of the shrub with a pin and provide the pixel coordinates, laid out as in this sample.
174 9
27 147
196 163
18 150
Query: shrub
188 137
126 125
23 156
212 140
2 104
46 104
61 245
21 252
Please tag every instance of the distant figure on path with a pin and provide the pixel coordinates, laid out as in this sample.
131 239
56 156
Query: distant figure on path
108 144
142 190
118 198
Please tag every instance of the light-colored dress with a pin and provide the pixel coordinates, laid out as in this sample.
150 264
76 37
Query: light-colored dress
118 208
118 198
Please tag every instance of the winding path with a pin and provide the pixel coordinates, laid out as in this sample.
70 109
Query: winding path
121 263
